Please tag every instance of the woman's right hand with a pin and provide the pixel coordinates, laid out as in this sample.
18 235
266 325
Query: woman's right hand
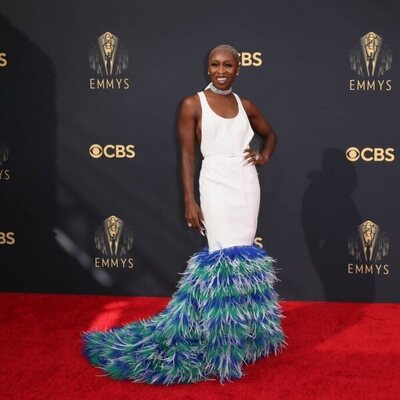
194 216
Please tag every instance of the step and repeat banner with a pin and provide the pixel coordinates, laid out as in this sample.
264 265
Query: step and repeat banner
90 192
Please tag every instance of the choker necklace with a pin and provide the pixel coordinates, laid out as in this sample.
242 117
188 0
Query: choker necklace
219 91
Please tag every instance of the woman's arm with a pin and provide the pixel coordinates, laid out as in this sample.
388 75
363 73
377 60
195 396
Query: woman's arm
262 127
187 122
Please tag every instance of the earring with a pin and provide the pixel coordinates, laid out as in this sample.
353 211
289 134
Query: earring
208 73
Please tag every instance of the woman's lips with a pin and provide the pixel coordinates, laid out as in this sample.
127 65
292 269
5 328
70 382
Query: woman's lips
221 79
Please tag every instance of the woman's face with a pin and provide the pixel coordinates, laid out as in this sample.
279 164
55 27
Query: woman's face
223 68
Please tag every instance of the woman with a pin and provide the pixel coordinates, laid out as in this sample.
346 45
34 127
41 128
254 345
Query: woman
225 312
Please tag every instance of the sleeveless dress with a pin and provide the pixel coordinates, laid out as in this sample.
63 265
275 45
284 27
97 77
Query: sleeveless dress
229 188
225 312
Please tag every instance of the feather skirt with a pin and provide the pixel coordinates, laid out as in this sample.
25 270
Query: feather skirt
224 314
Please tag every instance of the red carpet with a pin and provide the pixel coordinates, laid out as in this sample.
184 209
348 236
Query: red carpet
336 351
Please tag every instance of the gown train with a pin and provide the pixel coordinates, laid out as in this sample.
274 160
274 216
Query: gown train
224 313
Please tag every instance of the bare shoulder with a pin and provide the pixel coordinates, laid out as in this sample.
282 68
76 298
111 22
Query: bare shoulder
191 105
250 108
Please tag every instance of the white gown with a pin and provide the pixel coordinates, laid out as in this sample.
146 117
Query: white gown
225 313
229 188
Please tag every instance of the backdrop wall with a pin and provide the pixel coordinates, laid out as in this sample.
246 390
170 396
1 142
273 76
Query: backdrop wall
90 194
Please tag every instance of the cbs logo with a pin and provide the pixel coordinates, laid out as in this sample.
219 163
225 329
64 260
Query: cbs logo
112 151
250 59
3 60
370 154
7 238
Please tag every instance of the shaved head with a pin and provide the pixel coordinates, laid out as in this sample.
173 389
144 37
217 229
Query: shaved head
226 47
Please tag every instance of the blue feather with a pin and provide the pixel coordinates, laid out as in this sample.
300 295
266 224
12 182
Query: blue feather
224 313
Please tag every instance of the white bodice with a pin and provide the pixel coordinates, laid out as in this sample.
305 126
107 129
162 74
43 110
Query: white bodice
229 187
221 135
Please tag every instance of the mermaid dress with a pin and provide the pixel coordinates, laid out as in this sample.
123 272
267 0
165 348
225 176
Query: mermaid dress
225 311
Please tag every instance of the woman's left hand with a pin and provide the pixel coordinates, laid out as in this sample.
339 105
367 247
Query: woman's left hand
253 157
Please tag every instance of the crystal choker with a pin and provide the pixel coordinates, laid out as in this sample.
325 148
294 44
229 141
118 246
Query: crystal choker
219 91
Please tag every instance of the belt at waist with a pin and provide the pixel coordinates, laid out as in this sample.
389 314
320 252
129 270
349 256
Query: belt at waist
224 155
234 162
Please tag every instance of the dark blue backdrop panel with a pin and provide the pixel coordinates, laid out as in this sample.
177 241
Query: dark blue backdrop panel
90 194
